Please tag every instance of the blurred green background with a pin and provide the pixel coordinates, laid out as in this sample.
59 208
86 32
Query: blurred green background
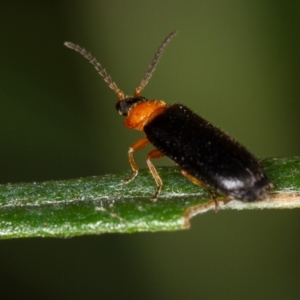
234 62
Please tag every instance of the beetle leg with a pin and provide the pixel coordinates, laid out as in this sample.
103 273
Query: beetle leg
138 145
154 154
202 184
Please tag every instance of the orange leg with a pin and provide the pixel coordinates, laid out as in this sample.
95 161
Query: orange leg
202 184
138 145
154 154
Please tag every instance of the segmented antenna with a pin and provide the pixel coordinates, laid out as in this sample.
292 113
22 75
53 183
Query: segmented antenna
98 67
154 63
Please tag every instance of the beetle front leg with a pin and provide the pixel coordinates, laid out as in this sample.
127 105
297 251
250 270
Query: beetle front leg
138 145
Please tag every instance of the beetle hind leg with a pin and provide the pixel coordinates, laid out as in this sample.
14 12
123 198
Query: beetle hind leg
196 181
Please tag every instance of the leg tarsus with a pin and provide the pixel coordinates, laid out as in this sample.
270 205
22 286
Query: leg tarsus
215 200
129 179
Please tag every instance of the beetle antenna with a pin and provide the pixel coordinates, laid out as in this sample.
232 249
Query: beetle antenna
154 63
98 67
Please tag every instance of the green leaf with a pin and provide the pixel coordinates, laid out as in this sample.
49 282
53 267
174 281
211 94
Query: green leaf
102 204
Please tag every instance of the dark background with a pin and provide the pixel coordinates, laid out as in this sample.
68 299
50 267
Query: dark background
234 62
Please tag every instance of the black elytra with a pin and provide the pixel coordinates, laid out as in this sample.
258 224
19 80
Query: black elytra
207 153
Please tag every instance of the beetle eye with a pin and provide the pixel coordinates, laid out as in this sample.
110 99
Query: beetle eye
122 107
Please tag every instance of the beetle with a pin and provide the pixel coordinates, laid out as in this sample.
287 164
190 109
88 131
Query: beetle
206 155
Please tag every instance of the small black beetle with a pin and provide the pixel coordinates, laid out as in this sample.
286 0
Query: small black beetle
206 155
